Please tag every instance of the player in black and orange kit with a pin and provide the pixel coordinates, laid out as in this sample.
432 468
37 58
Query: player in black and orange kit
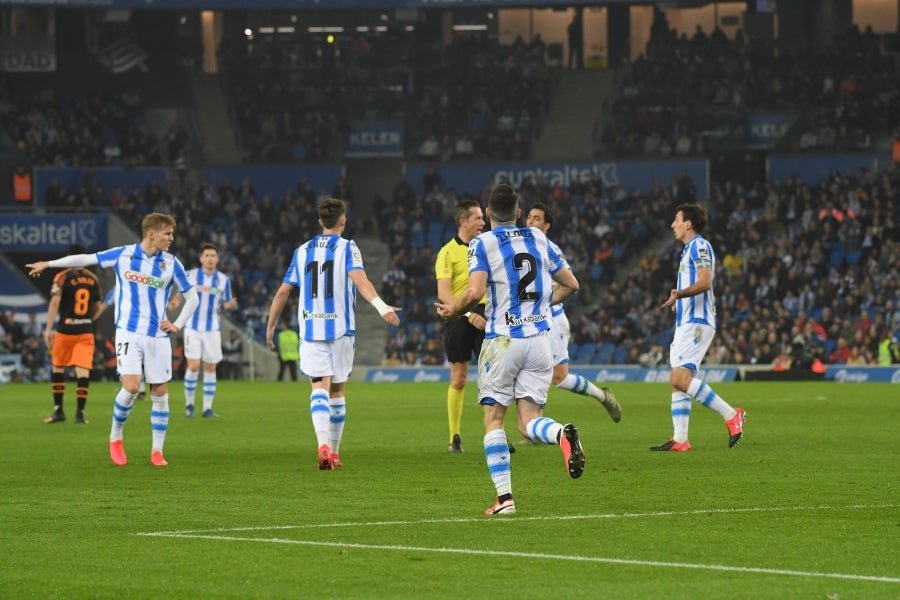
76 297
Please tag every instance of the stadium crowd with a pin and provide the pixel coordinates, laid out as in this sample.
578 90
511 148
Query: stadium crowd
805 272
688 95
100 129
473 99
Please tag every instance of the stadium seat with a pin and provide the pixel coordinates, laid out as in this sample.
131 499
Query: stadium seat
837 257
605 353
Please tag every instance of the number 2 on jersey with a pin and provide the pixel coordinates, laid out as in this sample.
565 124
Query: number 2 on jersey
520 261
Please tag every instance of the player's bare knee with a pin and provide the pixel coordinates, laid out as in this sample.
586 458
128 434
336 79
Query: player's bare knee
680 379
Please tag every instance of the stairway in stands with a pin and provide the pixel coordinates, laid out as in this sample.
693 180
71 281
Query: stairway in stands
371 330
576 106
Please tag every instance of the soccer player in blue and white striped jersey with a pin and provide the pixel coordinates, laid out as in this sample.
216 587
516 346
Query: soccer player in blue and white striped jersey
146 274
694 302
328 271
110 299
522 276
202 336
541 216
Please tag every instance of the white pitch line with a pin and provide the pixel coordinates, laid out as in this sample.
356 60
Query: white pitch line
518 519
594 559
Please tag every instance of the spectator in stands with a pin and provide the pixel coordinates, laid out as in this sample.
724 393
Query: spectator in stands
434 354
34 360
393 353
888 350
288 346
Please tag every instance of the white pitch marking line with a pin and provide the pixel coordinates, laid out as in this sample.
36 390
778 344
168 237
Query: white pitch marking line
594 559
519 519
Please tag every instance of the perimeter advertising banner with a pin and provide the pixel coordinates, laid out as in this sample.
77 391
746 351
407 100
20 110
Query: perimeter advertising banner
600 373
381 139
28 54
52 233
844 374
616 374
627 175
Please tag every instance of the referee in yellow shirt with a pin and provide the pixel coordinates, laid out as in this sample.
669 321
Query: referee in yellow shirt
462 337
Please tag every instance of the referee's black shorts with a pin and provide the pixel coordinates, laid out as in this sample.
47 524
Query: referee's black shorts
462 340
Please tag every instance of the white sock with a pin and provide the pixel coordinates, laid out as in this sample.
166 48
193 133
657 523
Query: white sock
681 416
496 451
705 395
159 420
321 415
338 414
579 385
209 389
544 430
190 386
121 409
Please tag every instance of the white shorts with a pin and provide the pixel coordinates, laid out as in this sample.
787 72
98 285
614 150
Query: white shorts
139 353
328 359
510 368
205 345
689 345
559 339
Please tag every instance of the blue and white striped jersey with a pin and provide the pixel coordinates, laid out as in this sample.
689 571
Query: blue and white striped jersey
144 284
519 263
213 290
320 270
557 309
697 254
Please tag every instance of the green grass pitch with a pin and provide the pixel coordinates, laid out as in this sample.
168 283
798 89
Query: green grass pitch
807 506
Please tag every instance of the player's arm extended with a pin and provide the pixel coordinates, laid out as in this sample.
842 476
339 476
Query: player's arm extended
73 260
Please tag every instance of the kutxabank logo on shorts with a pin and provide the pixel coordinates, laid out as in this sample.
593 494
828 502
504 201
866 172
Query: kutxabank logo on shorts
144 279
